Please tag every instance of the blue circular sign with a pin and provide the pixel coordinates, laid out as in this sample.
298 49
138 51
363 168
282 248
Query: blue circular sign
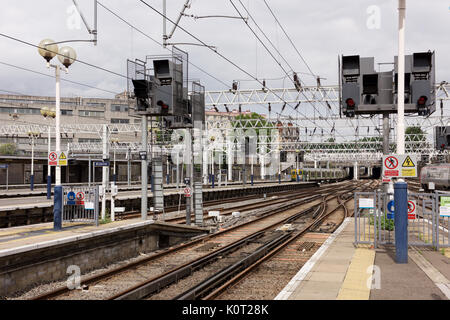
71 196
390 206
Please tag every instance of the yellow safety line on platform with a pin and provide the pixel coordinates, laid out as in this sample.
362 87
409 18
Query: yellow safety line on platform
355 285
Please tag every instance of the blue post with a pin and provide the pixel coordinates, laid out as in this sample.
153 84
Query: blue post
168 179
279 178
49 187
32 182
251 178
115 178
152 183
298 177
401 222
212 180
57 208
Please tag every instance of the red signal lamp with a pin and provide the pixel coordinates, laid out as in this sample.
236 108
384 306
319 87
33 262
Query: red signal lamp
422 100
350 102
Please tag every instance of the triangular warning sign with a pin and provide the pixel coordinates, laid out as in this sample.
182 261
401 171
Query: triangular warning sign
62 156
408 163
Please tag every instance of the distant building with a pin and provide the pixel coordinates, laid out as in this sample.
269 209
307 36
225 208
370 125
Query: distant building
23 110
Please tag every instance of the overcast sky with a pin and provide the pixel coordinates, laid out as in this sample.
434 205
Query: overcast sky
320 29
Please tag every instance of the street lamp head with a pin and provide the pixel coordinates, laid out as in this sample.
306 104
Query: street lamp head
52 113
47 49
67 56
44 112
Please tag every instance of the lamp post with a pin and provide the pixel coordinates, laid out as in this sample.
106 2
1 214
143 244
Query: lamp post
66 55
114 142
47 114
32 136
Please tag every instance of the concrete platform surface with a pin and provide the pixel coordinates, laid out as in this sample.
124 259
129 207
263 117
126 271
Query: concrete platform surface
341 271
24 238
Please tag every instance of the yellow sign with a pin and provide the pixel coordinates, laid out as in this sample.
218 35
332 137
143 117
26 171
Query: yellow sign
408 163
62 159
409 172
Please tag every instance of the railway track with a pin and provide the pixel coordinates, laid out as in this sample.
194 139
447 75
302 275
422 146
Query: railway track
296 226
169 265
267 277
272 198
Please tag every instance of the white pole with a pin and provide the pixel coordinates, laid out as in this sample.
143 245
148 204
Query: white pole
57 124
105 170
401 78
178 169
49 171
32 154
230 159
115 176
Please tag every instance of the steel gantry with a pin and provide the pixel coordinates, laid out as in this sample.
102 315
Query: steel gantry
305 94
329 137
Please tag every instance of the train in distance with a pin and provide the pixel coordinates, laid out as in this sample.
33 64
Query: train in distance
318 174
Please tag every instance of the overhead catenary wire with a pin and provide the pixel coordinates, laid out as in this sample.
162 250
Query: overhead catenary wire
157 42
214 50
290 40
237 10
294 46
51 76
57 53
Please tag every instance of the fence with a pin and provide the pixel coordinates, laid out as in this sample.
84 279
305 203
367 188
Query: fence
428 219
81 204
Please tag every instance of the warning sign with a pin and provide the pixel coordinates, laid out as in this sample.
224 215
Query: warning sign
80 198
62 159
391 162
52 159
411 209
391 166
187 192
408 163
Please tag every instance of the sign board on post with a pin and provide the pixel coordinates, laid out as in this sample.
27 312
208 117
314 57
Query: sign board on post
52 159
143 155
411 209
62 159
400 166
89 206
366 203
71 198
444 208
187 192
101 163
80 198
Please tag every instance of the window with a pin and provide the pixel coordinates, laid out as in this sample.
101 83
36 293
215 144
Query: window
119 108
94 114
66 112
120 120
89 140
95 104
20 110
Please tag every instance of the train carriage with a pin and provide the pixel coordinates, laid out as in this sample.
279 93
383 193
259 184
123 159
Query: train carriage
439 174
318 174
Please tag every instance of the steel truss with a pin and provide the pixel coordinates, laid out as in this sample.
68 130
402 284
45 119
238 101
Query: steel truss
281 95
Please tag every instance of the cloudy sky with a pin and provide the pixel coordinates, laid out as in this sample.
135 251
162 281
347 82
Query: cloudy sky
320 29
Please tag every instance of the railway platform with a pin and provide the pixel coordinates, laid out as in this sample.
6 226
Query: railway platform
36 253
339 270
